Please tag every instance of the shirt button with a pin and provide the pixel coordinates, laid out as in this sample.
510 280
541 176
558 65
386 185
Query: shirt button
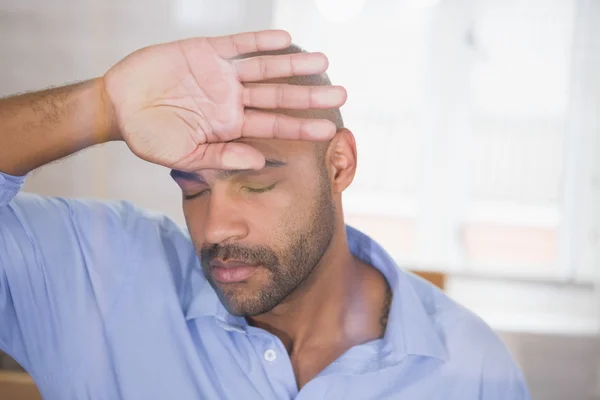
270 355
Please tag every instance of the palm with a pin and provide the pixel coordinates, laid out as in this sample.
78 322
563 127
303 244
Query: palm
178 104
169 105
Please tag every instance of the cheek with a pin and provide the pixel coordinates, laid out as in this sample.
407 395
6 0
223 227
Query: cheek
266 216
272 218
279 217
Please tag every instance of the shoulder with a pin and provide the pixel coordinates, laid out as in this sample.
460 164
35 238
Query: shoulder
113 240
110 218
475 352
464 333
33 209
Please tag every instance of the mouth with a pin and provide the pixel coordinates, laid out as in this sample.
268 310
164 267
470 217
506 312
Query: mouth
231 271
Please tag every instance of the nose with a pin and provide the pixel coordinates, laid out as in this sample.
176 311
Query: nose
225 221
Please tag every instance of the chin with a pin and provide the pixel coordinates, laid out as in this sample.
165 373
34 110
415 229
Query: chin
239 304
246 306
242 311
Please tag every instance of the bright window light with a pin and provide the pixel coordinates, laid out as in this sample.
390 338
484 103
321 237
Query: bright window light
208 14
340 10
417 3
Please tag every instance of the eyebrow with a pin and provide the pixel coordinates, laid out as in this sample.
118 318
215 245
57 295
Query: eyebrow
224 174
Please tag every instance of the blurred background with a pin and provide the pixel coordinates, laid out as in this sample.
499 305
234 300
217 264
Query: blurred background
478 136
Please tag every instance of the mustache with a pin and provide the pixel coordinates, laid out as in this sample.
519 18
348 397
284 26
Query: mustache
248 254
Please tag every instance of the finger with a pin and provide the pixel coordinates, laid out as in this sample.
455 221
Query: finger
230 155
249 42
260 124
293 97
268 67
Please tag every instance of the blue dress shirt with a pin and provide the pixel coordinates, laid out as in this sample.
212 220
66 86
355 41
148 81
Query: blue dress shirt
105 301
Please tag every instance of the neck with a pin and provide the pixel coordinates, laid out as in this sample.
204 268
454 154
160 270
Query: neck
339 304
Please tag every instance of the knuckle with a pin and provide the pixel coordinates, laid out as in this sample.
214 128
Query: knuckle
280 95
263 67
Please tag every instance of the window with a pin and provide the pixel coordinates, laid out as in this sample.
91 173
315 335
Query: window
465 116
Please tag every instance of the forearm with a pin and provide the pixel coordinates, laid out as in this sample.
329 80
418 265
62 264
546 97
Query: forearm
38 128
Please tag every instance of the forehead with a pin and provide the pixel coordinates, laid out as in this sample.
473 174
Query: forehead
294 155
288 151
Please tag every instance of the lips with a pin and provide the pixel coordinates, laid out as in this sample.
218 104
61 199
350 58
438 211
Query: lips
231 271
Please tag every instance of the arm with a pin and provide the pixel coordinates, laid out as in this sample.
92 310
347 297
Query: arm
38 128
64 265
180 104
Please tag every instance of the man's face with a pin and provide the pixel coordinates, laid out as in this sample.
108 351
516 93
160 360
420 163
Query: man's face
260 234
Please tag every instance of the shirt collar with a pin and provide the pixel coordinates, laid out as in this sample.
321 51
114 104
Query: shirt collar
410 329
206 303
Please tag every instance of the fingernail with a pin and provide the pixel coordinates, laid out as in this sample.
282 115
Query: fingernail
340 93
320 130
331 96
310 62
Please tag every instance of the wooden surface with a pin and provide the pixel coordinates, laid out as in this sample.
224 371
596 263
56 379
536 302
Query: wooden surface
17 386
437 278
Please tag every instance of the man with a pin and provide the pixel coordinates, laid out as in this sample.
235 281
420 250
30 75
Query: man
271 296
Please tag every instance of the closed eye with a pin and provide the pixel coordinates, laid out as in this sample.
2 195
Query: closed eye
260 190
246 188
195 195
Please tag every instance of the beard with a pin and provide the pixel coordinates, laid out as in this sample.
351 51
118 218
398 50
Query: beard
286 269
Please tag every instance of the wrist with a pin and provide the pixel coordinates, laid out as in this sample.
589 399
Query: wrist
109 115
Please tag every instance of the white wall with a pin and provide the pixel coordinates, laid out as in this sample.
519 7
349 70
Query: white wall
54 43
478 145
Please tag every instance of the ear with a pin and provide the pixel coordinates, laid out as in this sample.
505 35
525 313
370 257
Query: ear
341 160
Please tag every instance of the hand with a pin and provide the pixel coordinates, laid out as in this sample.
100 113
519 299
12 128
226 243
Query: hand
181 104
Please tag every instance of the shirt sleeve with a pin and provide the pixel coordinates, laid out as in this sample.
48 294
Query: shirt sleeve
63 264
